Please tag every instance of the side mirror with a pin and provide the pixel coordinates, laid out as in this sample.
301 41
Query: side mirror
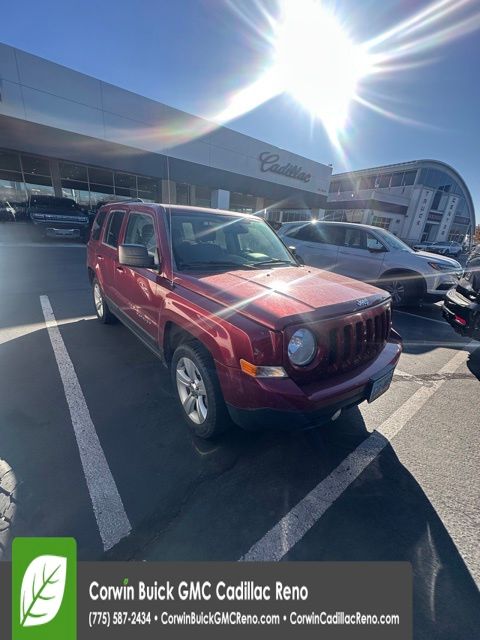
293 251
135 255
377 250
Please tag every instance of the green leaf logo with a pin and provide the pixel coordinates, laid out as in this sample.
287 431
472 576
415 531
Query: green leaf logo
43 586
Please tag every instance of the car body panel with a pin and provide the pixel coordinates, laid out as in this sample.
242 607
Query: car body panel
249 314
374 266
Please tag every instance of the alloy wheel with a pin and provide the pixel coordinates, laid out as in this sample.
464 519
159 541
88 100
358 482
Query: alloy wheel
98 299
396 289
191 390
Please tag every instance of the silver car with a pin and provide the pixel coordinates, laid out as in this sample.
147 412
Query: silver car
373 255
447 248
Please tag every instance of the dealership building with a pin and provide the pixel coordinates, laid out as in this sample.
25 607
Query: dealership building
64 133
423 200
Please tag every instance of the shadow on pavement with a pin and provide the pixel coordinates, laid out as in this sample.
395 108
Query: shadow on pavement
474 362
191 500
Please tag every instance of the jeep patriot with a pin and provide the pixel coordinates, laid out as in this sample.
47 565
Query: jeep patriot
249 334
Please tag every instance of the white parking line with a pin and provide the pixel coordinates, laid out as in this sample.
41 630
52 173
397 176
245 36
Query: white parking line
416 315
112 521
36 245
306 513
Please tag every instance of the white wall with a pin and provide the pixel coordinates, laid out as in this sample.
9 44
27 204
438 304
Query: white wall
43 92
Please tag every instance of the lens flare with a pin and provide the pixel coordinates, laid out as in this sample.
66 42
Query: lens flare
314 57
318 62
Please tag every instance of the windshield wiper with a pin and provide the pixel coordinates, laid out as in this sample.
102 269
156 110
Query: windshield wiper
264 263
215 263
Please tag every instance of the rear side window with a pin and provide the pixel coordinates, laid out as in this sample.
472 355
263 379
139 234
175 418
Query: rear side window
113 229
307 232
98 224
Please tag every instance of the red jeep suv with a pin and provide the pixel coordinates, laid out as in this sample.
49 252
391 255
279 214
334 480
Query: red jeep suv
247 331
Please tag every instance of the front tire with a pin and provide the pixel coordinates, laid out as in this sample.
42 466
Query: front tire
104 315
196 386
403 289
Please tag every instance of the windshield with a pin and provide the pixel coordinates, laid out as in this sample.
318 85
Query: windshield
393 243
55 205
213 240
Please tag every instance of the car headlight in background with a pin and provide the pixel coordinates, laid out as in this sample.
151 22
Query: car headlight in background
440 266
302 347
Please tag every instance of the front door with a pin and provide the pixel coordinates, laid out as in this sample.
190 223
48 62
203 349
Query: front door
361 255
138 290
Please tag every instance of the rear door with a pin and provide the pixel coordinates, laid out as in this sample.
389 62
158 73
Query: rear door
316 244
107 253
137 288
361 255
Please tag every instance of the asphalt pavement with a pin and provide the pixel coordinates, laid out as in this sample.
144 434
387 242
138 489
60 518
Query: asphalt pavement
394 480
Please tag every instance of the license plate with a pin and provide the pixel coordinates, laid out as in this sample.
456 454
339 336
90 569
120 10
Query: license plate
63 232
379 386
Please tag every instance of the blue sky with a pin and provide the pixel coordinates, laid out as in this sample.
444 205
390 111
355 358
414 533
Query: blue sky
194 54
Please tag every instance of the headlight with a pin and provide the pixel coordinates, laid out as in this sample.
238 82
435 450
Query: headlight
302 347
440 266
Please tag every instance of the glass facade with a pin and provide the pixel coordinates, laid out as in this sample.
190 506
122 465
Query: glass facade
374 181
21 176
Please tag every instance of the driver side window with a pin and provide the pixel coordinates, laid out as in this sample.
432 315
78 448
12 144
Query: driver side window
141 230
373 243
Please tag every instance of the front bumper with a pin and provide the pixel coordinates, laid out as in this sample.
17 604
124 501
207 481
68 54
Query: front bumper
439 284
60 229
256 403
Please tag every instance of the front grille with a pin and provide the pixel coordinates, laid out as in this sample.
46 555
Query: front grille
350 341
355 340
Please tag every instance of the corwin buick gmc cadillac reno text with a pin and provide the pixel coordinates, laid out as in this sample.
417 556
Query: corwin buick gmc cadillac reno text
249 334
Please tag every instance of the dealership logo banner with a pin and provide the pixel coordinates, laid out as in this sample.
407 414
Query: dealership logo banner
146 600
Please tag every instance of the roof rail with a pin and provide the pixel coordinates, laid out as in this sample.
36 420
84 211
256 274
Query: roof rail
116 201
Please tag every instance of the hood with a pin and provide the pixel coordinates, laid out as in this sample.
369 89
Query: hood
425 255
282 296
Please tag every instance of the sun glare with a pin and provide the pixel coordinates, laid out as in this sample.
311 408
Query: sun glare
314 57
317 62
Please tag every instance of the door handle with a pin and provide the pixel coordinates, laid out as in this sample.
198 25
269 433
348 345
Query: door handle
121 269
99 257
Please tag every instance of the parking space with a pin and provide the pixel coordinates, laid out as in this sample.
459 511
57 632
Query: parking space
397 479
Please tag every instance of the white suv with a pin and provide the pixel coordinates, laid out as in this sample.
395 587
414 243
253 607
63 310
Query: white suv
373 255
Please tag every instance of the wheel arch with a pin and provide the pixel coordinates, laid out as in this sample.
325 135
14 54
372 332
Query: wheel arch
414 276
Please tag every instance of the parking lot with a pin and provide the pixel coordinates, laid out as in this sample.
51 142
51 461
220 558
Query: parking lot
394 480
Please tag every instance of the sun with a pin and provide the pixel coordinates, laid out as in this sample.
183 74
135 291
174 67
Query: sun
317 62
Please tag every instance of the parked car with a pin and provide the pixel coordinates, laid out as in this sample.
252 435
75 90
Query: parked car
58 217
373 255
461 307
7 212
248 333
447 248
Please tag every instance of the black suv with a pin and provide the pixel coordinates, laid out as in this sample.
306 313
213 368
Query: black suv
58 217
461 307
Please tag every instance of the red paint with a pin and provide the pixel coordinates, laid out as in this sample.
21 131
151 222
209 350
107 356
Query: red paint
251 314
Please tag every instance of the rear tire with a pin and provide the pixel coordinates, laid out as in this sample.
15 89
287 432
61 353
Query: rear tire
104 315
196 387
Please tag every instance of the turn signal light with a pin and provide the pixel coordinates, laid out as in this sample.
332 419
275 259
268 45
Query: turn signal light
262 372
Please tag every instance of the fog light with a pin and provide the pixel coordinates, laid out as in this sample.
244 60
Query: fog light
257 371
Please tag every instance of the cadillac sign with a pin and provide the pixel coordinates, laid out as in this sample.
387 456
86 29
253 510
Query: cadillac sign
270 162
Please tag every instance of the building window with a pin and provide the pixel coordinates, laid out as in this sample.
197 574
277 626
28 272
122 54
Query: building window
183 193
203 196
396 180
381 221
